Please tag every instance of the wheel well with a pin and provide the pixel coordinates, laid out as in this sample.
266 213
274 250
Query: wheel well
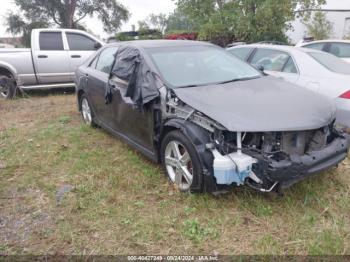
6 72
80 93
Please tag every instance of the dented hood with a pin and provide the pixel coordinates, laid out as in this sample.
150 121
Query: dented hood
260 105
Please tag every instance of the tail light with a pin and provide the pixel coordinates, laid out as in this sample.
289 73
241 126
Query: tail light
346 95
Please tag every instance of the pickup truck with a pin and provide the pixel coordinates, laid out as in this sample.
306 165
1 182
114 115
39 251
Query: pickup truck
49 63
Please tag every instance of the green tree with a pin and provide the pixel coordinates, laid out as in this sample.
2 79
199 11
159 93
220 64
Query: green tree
65 14
319 27
143 25
179 22
16 25
154 21
223 21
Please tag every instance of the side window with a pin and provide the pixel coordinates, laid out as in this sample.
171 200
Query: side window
317 46
50 41
242 53
290 67
340 50
105 61
93 62
271 60
79 42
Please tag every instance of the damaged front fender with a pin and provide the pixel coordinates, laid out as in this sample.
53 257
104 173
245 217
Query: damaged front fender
199 137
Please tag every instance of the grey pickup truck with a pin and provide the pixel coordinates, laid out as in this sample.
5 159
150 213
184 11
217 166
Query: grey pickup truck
49 63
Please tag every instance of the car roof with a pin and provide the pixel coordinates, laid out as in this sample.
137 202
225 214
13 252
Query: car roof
285 48
326 41
161 43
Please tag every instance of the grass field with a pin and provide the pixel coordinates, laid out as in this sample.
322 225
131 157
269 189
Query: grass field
120 203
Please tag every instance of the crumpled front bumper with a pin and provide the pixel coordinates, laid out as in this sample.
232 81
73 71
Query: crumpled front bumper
289 172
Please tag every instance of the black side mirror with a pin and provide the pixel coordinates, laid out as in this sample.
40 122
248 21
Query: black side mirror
261 68
97 45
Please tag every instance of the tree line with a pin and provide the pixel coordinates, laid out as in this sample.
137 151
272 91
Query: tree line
218 21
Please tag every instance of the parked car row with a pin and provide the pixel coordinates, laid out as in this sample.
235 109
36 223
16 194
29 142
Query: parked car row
211 119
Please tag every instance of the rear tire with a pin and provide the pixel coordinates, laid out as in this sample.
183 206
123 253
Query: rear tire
86 111
8 88
181 162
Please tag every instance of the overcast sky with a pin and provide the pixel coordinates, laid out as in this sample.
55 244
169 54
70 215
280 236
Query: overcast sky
139 10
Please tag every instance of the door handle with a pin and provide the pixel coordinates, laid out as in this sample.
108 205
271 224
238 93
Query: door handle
42 56
75 56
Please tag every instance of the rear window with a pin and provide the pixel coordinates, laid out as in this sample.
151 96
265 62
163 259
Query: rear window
316 46
340 50
50 41
331 62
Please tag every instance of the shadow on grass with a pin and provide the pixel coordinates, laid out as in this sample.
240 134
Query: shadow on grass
45 92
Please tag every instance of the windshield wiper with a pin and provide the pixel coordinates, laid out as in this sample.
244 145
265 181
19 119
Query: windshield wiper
192 85
239 79
219 83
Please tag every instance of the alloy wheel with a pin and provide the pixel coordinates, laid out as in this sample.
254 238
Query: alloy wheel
86 111
178 164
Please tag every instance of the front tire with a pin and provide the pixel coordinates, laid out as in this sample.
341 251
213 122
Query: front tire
181 162
86 111
8 88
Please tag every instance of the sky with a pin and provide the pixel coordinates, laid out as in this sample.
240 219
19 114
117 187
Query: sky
139 10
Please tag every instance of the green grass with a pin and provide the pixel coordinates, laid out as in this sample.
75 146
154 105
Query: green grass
121 203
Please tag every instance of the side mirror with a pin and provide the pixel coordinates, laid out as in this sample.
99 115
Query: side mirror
261 68
97 45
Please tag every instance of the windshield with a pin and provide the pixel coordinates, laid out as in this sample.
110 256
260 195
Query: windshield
331 62
183 66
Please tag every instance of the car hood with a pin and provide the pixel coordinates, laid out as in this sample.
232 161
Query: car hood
260 105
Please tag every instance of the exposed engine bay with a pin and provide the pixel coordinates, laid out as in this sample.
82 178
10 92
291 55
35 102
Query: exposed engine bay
265 161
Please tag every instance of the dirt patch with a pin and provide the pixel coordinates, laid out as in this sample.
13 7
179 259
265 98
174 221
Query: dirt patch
24 214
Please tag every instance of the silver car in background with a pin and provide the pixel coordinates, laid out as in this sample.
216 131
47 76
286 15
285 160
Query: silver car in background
315 70
339 48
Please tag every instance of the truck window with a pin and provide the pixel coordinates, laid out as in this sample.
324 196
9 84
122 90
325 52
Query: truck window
50 41
79 42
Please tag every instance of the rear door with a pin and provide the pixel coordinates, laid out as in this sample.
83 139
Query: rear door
81 47
97 78
51 59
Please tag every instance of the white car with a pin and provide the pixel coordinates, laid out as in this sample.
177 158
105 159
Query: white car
339 48
316 70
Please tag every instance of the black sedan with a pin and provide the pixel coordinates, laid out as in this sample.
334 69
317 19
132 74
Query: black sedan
209 118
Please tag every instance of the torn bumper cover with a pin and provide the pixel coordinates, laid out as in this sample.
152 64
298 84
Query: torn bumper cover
298 167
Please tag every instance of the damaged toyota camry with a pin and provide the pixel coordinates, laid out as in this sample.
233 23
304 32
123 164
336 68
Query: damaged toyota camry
210 119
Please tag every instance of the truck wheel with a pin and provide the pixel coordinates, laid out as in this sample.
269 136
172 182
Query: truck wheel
8 87
181 162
